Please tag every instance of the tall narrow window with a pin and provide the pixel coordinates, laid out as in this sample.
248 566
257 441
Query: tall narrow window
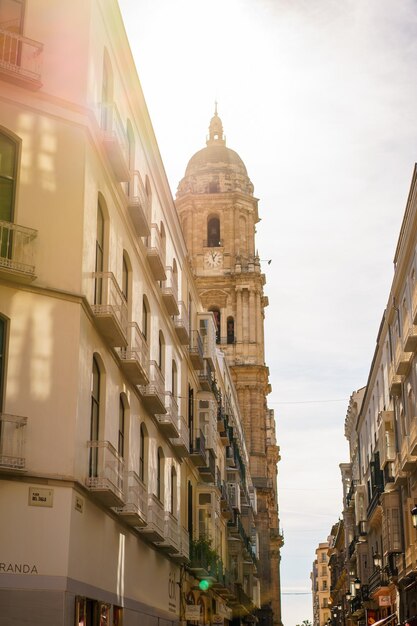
99 255
190 510
159 474
106 93
173 503
230 330
8 156
94 417
145 319
2 358
174 379
142 453
190 407
125 278
213 232
161 352
121 438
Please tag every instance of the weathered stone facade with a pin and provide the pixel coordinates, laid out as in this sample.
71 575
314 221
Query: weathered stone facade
218 213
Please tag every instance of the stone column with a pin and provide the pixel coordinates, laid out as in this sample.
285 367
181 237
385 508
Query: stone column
239 320
252 316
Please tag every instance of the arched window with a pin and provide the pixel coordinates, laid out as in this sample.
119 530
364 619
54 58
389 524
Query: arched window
94 417
173 502
217 320
230 330
145 318
160 475
142 453
213 232
2 358
121 437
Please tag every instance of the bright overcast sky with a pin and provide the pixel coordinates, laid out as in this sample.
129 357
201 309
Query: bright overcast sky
319 99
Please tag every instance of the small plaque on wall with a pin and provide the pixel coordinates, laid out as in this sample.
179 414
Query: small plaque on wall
41 497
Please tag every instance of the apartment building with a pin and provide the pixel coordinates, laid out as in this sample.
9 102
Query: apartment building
126 493
380 480
320 585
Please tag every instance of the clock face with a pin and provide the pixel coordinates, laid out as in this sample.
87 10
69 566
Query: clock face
213 259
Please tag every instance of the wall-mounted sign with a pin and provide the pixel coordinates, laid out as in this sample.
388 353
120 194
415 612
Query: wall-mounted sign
192 612
218 620
384 600
41 497
79 504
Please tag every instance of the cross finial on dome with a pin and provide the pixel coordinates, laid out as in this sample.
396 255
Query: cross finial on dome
216 136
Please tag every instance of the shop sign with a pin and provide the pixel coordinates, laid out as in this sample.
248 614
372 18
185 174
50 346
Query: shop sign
218 620
384 600
192 612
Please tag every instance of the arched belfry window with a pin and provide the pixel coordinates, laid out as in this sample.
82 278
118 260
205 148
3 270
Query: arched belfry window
213 232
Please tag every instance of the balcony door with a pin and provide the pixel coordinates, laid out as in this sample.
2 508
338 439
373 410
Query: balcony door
11 26
94 419
99 265
8 153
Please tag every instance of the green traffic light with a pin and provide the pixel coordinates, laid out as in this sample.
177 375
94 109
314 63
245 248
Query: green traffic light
203 585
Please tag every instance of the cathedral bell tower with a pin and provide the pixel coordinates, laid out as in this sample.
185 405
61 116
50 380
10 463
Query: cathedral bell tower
219 213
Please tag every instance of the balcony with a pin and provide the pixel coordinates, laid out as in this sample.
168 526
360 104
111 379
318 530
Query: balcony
208 469
12 442
134 360
168 421
208 335
203 559
225 504
410 338
377 581
153 394
20 59
114 139
135 511
105 479
110 309
408 460
198 451
138 205
16 252
181 444
171 541
205 377
183 553
181 324
196 350
402 360
170 292
155 529
394 382
156 254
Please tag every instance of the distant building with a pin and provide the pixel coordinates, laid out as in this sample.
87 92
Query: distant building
320 585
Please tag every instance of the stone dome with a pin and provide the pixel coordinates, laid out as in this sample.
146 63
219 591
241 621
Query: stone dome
215 168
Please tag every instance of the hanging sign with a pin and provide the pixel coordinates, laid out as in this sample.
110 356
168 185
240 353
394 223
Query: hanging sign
384 600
